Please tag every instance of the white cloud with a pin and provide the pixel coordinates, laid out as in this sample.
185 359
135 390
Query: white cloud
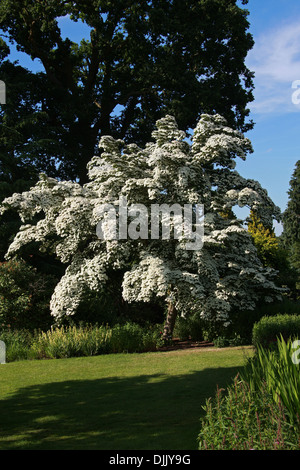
275 59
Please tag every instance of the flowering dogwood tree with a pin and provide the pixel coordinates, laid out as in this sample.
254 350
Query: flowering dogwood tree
225 273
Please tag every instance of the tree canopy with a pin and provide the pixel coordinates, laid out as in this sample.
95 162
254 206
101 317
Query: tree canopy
142 60
223 274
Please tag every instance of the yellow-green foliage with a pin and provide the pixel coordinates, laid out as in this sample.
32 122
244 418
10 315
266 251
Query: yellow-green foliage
71 342
75 341
265 241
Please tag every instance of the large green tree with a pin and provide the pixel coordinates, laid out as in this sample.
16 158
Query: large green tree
143 59
20 160
291 220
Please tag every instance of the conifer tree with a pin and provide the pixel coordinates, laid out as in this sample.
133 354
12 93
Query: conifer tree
291 221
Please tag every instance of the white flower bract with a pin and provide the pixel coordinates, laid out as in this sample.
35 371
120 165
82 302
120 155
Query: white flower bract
225 274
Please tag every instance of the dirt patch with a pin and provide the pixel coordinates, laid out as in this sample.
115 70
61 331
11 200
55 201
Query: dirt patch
177 344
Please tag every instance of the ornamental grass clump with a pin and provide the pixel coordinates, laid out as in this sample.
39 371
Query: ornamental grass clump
72 341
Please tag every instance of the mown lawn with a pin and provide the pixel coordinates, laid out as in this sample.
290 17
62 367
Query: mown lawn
114 402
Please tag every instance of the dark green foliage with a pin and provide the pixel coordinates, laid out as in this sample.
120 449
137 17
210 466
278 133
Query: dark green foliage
269 329
143 59
291 217
20 159
189 328
240 329
133 338
196 329
18 344
24 296
109 307
291 223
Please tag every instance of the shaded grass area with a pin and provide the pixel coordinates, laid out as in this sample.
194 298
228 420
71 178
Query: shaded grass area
114 402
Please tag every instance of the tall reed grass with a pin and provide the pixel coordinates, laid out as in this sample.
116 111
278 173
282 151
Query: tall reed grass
279 372
261 409
238 419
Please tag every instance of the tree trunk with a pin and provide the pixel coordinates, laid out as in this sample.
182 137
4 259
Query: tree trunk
170 322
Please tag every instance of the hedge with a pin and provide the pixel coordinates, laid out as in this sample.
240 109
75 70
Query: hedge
269 329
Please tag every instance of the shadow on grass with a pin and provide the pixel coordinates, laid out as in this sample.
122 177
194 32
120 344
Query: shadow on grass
154 412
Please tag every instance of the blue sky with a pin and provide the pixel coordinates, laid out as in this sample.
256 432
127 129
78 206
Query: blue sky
275 59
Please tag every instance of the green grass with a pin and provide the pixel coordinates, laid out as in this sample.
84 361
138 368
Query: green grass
113 402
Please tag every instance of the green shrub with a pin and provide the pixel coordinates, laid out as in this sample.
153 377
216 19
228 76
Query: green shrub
189 328
24 296
18 344
126 338
131 338
242 322
93 340
269 329
152 337
84 340
71 341
243 420
226 341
